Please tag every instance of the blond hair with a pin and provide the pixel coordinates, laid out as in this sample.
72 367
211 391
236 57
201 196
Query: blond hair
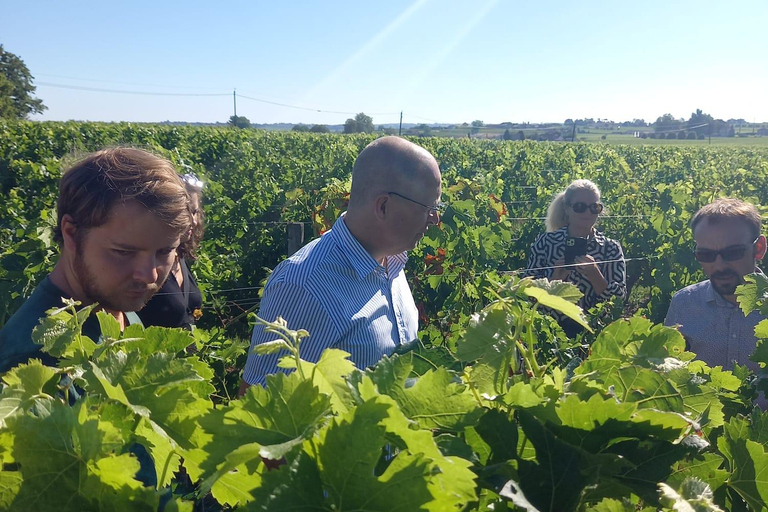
557 216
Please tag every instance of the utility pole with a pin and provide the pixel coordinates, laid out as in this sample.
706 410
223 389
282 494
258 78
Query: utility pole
234 99
573 135
400 131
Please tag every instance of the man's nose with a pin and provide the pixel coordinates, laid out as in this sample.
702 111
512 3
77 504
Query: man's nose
719 262
145 270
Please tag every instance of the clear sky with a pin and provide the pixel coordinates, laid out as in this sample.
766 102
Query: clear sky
435 60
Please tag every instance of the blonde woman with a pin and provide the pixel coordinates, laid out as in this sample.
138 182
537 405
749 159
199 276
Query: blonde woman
598 268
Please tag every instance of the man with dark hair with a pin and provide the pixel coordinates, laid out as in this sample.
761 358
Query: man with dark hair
347 288
121 215
728 246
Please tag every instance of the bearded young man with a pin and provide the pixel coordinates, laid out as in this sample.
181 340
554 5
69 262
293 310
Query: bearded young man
729 244
121 215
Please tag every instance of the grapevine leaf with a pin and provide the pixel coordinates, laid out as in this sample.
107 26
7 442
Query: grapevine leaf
498 432
154 340
752 295
435 401
760 355
487 338
237 477
705 467
451 477
558 303
156 387
329 375
749 463
67 460
560 473
28 386
289 408
164 451
296 487
349 449
522 394
646 387
613 505
110 328
634 340
60 337
10 485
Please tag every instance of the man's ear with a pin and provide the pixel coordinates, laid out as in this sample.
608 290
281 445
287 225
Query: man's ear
760 247
381 206
69 232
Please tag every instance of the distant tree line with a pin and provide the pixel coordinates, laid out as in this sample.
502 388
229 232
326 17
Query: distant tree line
315 128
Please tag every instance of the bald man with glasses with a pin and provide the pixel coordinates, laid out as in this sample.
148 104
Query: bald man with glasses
729 244
347 288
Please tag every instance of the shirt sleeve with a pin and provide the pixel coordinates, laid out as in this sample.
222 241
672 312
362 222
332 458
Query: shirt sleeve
615 272
302 311
672 313
539 261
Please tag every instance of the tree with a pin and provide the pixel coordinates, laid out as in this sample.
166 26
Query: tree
477 123
16 89
700 122
667 123
300 128
319 128
239 122
360 124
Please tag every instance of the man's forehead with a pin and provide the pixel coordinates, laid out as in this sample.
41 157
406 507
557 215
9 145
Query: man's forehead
723 232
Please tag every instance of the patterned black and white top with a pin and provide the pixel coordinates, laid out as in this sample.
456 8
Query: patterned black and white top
550 247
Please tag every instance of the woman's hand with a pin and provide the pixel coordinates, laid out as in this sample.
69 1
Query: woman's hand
560 273
588 268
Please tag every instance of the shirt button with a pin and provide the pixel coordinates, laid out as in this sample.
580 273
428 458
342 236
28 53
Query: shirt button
733 336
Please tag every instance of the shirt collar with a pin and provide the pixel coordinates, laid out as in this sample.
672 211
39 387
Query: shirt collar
358 257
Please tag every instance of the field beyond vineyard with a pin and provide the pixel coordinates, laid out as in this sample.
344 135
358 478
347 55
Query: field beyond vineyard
501 415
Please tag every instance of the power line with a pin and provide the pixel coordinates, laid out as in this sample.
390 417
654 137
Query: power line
119 91
313 109
126 83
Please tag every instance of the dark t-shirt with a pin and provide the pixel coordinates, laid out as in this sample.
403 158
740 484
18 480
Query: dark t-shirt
172 306
16 345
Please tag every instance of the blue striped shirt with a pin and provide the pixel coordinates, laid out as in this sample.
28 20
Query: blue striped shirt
336 291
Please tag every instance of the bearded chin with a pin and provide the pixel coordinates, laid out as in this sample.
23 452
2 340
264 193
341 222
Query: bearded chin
724 290
87 283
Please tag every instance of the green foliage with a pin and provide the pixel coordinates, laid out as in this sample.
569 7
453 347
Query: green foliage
493 409
16 89
360 124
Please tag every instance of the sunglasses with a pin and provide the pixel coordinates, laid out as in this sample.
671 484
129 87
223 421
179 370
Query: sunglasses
582 207
732 253
193 181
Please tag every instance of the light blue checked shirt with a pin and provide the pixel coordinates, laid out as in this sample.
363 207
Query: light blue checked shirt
715 329
336 291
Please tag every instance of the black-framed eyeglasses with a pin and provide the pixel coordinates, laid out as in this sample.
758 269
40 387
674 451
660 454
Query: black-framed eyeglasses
732 253
582 207
435 209
192 180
